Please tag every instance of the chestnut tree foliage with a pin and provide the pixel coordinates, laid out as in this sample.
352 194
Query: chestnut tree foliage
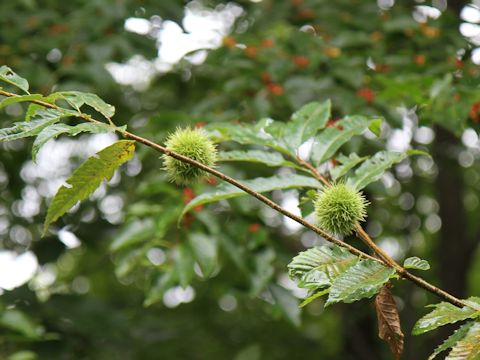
192 249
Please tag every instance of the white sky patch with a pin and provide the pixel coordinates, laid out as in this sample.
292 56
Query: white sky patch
290 202
400 139
201 29
68 238
16 269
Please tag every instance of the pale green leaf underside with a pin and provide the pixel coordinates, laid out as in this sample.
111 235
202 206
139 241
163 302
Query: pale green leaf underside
332 138
362 280
227 191
451 340
320 266
315 296
42 119
55 130
444 313
85 180
257 156
346 164
77 99
467 348
305 123
416 263
9 76
372 169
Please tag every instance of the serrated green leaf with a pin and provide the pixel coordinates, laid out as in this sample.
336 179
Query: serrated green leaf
315 296
227 191
416 263
376 127
467 348
184 262
204 251
16 99
347 163
287 303
320 266
305 123
372 169
332 138
55 130
257 156
266 132
85 180
32 110
362 280
77 99
9 76
161 284
452 339
42 119
444 313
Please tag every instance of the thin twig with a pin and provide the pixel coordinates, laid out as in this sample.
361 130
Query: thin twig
402 272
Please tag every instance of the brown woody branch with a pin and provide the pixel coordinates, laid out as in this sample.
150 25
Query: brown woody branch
383 258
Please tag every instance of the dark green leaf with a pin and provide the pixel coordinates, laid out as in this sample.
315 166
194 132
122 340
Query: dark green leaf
332 138
257 156
88 177
205 252
227 191
162 283
135 232
184 264
416 263
362 280
7 75
264 271
21 323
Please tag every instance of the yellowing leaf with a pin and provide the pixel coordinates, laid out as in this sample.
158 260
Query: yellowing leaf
88 177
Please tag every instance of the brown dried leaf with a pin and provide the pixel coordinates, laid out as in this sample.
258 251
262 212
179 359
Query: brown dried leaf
389 321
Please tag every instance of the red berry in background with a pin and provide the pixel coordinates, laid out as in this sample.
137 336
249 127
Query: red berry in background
266 43
275 89
229 42
459 64
200 125
475 112
188 195
211 180
266 78
251 52
253 228
419 59
382 68
367 94
306 14
301 61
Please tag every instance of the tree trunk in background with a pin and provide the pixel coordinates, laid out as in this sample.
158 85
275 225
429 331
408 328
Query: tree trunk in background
455 247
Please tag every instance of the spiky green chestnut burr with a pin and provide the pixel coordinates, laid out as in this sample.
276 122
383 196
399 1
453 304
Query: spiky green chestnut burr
339 208
195 144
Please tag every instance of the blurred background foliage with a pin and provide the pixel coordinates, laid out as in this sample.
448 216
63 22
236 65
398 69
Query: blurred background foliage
117 279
